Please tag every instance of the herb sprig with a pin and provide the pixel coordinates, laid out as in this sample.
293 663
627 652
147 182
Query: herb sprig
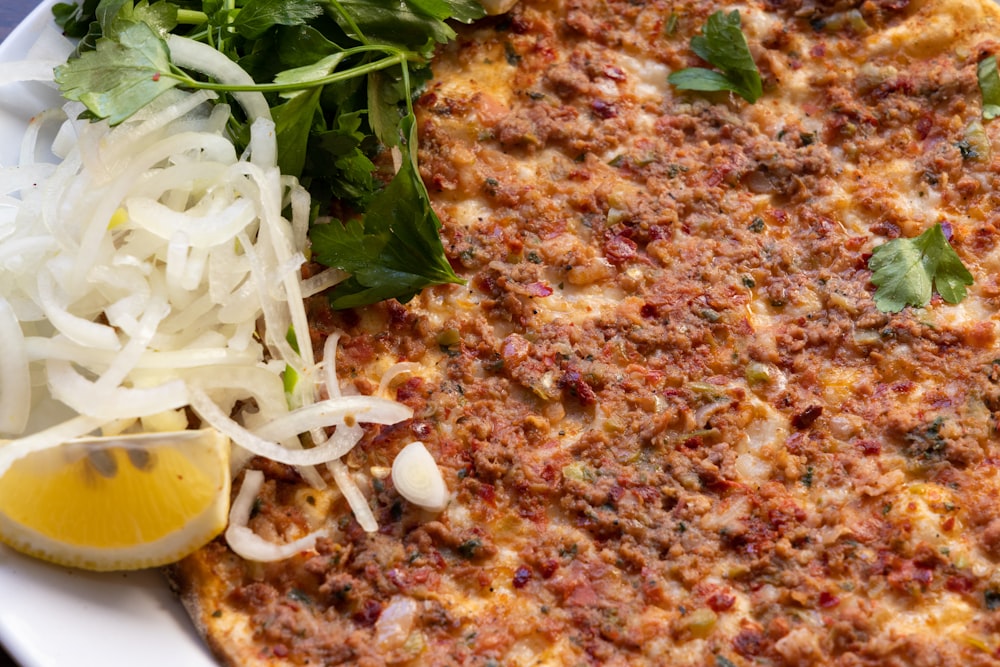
723 45
907 271
339 76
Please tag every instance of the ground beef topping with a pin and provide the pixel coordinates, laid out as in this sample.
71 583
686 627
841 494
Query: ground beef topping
676 428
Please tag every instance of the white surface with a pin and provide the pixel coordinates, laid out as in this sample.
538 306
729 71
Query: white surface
56 617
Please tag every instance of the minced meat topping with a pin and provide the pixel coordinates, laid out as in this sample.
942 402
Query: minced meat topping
676 428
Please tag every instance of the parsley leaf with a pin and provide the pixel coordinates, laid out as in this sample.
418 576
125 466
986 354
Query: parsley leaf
989 86
75 19
293 121
256 18
907 270
336 157
121 76
722 44
394 250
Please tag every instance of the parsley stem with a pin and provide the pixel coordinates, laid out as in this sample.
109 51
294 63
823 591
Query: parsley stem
191 17
349 20
397 57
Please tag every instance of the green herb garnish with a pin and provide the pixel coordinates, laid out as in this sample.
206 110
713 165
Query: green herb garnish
907 271
989 86
723 44
393 250
339 76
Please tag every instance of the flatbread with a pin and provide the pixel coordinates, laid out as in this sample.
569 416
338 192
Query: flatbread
676 427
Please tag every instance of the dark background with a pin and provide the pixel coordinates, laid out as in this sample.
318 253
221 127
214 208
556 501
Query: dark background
12 12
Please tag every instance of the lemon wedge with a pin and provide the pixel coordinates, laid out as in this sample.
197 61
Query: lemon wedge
116 503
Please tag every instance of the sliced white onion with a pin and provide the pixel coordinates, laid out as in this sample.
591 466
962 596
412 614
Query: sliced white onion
416 476
395 623
209 60
125 361
342 410
28 70
322 281
77 329
355 499
330 365
301 203
215 225
392 373
67 385
246 543
267 447
15 380
29 143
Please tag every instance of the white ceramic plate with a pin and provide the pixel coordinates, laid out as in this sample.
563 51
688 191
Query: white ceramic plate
56 617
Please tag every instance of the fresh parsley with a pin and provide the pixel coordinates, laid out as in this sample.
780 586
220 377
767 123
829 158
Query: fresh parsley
907 271
388 251
723 45
989 86
339 75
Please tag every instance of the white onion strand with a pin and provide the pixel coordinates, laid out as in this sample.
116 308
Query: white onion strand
246 543
15 379
417 477
355 499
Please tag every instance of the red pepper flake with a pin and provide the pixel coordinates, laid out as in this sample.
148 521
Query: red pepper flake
397 578
604 109
716 177
156 77
619 249
806 418
420 429
960 584
924 126
548 568
615 494
549 473
519 26
749 642
280 650
869 447
693 442
487 492
614 72
828 599
538 289
923 576
578 387
521 577
855 243
410 389
721 601
369 613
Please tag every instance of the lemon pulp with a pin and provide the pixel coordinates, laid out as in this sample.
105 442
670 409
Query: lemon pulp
117 503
